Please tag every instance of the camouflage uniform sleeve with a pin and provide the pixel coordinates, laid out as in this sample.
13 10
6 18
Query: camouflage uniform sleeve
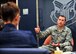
68 39
45 33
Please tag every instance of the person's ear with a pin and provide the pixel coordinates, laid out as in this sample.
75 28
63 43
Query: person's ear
16 18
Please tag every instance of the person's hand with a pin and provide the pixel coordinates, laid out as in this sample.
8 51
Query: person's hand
37 29
57 44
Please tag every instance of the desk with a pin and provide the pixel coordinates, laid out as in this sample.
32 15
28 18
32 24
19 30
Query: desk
69 53
23 51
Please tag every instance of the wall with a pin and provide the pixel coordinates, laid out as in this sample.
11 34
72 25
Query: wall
27 22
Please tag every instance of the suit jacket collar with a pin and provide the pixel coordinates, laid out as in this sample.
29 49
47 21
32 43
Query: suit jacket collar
9 27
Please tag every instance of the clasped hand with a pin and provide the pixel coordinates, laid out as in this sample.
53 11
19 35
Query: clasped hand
57 44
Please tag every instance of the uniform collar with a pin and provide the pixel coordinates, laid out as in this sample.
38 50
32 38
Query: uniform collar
61 30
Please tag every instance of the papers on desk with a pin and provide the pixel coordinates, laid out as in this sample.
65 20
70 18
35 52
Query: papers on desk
58 51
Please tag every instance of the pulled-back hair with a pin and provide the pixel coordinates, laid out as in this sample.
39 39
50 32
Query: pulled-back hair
9 11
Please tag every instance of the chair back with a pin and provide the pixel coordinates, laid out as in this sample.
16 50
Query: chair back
23 51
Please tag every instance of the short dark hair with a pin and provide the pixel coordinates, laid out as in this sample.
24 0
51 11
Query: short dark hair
62 16
9 11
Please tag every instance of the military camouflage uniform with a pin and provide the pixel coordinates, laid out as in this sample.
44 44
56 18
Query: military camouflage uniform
63 37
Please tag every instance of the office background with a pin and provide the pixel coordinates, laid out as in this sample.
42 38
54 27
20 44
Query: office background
48 11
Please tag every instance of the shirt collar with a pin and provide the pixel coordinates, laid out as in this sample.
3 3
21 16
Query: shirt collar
62 29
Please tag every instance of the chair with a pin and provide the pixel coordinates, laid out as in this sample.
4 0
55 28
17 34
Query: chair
23 51
48 40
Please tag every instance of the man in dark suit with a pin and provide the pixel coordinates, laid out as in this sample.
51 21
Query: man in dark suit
10 36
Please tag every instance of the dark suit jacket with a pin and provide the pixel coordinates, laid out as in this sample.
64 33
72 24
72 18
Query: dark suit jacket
11 37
